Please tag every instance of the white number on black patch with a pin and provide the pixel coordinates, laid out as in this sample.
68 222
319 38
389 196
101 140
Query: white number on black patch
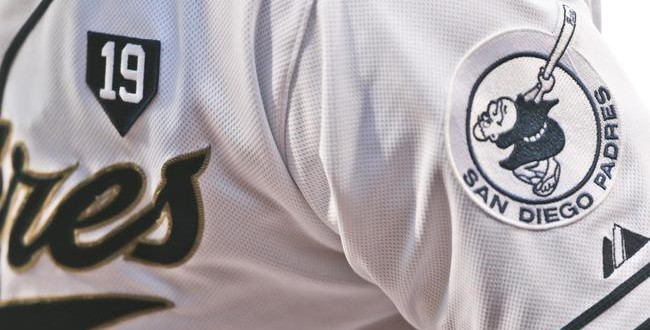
122 73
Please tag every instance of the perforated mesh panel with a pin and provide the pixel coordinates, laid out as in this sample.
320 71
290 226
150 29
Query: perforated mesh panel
329 201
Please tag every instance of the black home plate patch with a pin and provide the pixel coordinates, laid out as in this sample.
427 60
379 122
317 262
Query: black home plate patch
122 73
532 131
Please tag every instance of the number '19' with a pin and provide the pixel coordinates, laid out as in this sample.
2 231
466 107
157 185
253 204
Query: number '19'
137 75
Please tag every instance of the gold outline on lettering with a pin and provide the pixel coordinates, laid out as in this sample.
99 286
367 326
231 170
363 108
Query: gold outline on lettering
126 250
123 213
207 151
31 234
164 217
100 202
46 249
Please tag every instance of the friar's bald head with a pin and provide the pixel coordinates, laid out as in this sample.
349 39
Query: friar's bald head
499 117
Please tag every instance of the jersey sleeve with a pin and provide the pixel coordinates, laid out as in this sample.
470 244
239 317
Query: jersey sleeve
367 146
596 12
365 143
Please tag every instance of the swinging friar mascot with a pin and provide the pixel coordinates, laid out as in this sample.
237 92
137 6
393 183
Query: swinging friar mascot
525 124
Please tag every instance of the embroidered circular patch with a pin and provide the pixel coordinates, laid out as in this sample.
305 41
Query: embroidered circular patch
533 131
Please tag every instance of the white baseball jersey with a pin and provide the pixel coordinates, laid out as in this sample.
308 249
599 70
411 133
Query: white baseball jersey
302 164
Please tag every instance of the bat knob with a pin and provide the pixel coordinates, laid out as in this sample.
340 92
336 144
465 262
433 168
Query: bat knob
570 14
545 83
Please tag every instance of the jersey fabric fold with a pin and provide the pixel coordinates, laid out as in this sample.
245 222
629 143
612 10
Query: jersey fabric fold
290 171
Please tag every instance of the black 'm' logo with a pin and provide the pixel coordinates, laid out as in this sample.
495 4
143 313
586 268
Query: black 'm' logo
621 247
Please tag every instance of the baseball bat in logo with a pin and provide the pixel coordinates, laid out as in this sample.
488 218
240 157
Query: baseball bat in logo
535 157
566 34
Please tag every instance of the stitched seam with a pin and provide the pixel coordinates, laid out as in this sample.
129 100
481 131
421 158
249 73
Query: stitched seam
289 77
17 43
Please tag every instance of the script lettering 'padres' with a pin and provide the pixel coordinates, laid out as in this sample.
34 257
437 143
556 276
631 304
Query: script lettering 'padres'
106 197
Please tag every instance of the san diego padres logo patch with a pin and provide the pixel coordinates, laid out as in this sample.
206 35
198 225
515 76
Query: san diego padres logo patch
533 131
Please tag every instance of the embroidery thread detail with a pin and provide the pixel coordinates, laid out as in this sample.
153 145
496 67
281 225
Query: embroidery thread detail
536 157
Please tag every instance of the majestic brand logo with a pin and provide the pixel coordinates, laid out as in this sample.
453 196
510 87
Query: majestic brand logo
105 198
621 247
533 136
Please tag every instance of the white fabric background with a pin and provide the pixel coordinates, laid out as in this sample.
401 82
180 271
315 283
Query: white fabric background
349 216
625 26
